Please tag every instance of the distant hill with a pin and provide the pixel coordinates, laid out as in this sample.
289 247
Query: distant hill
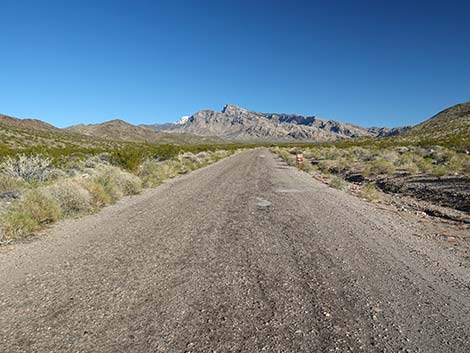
21 134
449 127
32 124
158 127
235 123
451 121
120 130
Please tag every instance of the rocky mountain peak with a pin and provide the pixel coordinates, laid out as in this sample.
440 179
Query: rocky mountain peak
231 109
236 123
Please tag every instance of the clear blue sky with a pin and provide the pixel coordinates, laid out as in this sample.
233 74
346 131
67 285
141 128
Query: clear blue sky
384 63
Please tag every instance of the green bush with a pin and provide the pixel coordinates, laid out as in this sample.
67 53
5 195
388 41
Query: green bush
128 158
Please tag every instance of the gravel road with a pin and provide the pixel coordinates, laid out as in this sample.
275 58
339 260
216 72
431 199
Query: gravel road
246 255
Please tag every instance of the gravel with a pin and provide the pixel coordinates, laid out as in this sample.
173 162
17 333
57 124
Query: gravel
199 265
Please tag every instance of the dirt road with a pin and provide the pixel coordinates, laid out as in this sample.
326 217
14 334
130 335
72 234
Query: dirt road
247 255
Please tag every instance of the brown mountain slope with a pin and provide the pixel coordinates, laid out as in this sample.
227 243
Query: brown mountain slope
122 131
32 124
449 127
453 120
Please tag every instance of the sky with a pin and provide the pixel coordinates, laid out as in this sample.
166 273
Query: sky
372 63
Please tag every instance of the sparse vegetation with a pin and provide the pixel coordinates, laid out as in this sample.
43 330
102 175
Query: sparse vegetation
49 187
394 168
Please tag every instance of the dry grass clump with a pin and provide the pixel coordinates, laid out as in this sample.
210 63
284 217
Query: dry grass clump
369 192
153 173
9 184
109 184
338 183
36 209
217 155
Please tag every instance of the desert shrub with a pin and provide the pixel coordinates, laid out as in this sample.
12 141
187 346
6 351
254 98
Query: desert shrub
325 165
128 158
440 170
98 193
362 153
130 184
29 168
72 198
153 173
29 214
116 183
407 163
382 166
360 168
466 164
10 184
312 153
411 168
369 192
217 155
425 165
390 156
109 186
287 157
189 161
192 158
338 166
455 163
308 167
332 153
338 183
441 155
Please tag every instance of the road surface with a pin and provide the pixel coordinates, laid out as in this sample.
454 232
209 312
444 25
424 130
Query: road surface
246 255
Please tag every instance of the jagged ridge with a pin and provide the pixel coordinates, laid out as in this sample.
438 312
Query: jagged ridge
237 123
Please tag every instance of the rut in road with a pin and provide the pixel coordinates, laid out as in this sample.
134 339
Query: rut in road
245 255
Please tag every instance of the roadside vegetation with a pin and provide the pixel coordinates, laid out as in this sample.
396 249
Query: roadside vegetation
39 186
429 172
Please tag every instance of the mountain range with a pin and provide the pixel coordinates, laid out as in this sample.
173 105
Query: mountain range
233 124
